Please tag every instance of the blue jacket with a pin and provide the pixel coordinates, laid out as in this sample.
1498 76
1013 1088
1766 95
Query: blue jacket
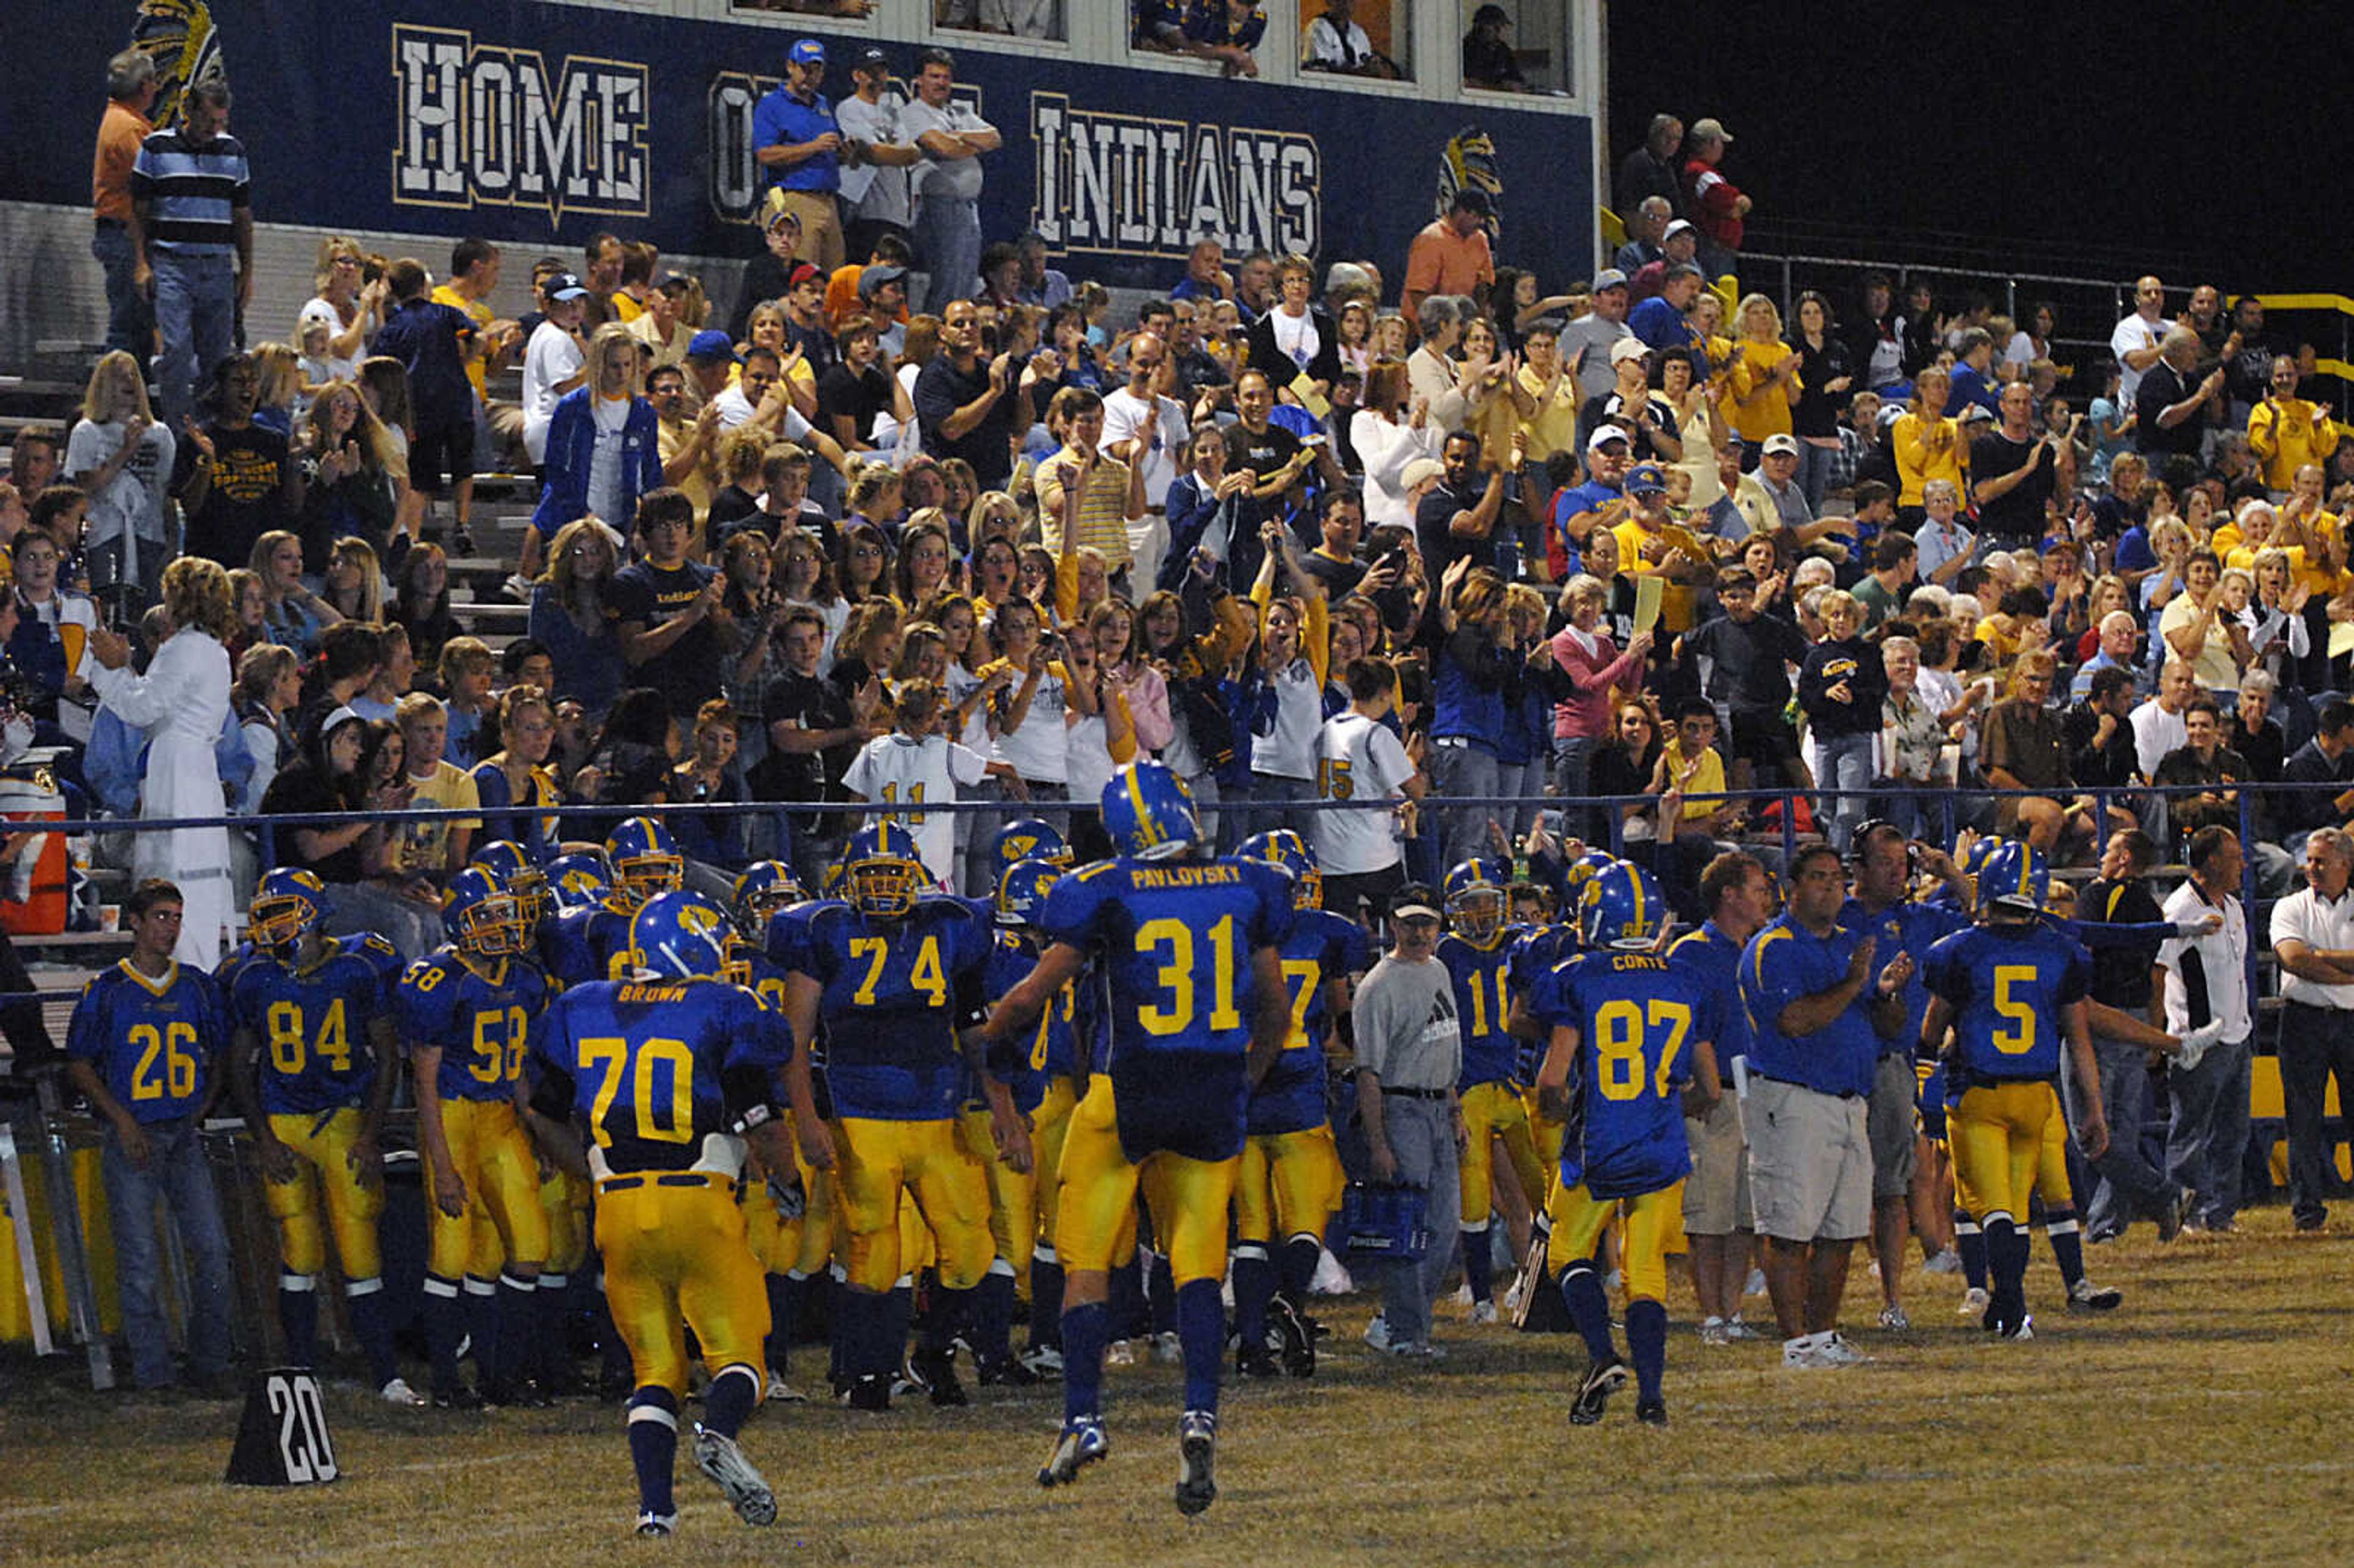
572 444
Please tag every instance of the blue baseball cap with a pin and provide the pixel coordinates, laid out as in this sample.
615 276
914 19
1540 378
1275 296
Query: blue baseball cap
807 51
1647 480
711 344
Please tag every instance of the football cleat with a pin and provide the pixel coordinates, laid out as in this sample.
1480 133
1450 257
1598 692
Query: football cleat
1255 1360
1166 1350
871 1393
748 1492
656 1526
1047 1361
1197 1452
937 1370
1007 1373
1082 1444
1651 1412
397 1392
784 1393
2023 1332
1602 1379
458 1398
1294 1336
2172 1216
1976 1303
2087 1297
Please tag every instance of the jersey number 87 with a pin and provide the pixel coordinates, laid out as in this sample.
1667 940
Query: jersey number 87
1619 1039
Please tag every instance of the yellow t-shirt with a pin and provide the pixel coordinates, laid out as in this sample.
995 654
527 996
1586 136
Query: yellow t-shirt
425 846
1553 427
477 311
1675 598
1756 404
1709 780
1927 450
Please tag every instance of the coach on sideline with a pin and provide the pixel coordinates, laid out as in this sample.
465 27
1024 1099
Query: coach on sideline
1818 1019
2312 935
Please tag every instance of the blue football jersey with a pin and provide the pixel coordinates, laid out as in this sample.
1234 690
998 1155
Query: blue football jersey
1483 1001
1639 1018
1322 947
313 1023
154 1043
1051 1049
1174 941
667 1073
480 1021
894 992
583 945
2006 985
1536 950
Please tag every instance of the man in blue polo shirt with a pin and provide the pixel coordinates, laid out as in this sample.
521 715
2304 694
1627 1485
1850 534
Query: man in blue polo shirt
1817 1018
795 138
1664 321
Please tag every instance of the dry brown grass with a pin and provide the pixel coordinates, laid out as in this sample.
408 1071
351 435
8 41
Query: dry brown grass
2203 1423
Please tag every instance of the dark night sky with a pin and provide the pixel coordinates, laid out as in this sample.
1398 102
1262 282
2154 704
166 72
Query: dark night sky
2212 137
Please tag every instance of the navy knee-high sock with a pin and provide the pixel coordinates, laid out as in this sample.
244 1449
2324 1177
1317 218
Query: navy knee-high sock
298 1314
482 1303
1201 1334
1478 1269
551 1347
2067 1239
1647 1344
365 1300
653 1447
1126 1301
1581 1291
445 1325
1045 1297
1970 1242
783 1307
993 1314
1162 1293
898 1316
1254 1285
518 1299
728 1403
1085 1331
951 1311
1295 1267
2006 1250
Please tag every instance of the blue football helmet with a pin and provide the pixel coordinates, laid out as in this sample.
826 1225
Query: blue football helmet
645 861
287 906
1027 838
881 871
766 886
483 917
1621 907
2016 876
1474 896
1021 891
579 880
513 869
1286 848
679 934
1981 851
1585 868
1149 811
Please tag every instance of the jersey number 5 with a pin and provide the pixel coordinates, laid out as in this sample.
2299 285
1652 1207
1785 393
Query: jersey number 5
2018 1038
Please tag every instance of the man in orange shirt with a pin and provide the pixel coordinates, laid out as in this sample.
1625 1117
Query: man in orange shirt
130 88
1451 256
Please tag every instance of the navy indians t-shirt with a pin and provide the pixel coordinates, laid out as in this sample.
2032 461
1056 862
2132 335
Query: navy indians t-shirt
687 672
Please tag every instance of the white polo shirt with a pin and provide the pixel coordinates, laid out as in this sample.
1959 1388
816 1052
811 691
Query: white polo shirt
2222 965
2321 923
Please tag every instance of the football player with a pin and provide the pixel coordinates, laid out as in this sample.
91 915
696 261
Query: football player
1290 1173
2011 991
314 1102
1478 953
1191 949
590 942
672 1073
895 973
1630 1030
1042 1074
467 1011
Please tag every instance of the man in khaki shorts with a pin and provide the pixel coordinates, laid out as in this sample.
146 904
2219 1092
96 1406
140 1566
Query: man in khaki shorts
1717 1220
1817 1018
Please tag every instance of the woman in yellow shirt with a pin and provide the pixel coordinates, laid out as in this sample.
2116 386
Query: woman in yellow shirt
1763 382
1926 444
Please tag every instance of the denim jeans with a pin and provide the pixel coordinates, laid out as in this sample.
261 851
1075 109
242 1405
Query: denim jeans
130 319
1523 782
947 243
1814 475
1572 764
2126 1186
2315 1044
1846 765
195 317
1421 1134
2207 1135
175 1173
1463 770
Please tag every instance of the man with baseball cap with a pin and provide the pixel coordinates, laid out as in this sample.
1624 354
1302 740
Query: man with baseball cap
1711 200
1651 544
1678 246
1649 419
1599 503
1664 321
1586 343
797 140
1451 256
875 157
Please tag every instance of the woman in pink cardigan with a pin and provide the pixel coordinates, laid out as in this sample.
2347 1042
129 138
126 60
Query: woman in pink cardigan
1583 667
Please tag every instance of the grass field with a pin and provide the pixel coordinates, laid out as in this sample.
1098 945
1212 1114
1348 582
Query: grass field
2202 1422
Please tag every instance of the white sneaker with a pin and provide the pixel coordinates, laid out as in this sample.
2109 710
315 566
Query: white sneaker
1755 1284
1946 1260
1803 1354
1377 1333
1836 1351
1120 1354
1047 1361
1166 1350
1484 1312
2026 1329
517 588
782 1393
397 1392
1975 1302
1735 1329
1893 1319
1712 1331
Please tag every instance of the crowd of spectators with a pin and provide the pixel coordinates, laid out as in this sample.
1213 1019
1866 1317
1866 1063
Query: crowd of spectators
1602 537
